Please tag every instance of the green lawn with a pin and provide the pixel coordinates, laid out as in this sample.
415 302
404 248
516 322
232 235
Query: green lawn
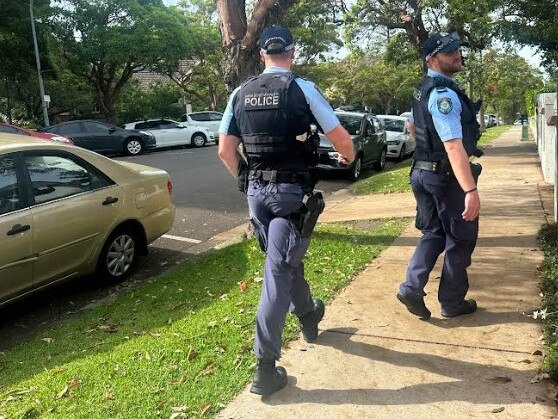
179 346
396 179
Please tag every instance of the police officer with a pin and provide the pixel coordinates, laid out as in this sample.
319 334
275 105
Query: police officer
443 182
271 115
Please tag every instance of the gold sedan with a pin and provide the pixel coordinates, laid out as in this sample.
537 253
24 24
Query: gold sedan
66 212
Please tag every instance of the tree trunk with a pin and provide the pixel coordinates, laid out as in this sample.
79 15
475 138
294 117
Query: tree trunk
240 53
8 102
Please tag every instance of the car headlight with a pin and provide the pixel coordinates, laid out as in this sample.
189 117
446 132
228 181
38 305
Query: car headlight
333 155
394 142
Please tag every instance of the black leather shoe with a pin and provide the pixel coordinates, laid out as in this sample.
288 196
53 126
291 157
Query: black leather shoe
415 305
466 307
268 379
310 321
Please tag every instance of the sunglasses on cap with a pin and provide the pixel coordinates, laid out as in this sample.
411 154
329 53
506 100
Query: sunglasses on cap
443 42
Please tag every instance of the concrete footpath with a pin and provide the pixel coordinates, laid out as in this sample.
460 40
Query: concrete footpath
373 359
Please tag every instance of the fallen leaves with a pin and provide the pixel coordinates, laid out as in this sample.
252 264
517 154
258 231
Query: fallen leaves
540 377
73 384
498 409
242 286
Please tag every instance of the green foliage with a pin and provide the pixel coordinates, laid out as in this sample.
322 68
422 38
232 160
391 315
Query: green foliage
368 81
181 343
157 101
548 238
19 91
314 28
534 23
106 42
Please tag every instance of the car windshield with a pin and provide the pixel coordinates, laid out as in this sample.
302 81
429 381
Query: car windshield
351 123
396 125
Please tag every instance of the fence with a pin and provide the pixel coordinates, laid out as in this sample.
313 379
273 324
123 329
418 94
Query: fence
544 127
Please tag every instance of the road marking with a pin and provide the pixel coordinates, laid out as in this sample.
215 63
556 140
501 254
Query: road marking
181 239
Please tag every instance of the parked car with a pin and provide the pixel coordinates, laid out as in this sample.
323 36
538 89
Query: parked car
208 119
169 133
399 142
406 115
13 129
102 137
489 120
67 212
369 139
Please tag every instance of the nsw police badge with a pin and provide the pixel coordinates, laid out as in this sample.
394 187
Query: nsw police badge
444 105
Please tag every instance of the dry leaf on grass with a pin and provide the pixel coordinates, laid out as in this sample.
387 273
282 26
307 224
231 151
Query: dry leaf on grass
205 409
243 286
191 354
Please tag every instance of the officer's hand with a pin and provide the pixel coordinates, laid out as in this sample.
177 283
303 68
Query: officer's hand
344 160
472 206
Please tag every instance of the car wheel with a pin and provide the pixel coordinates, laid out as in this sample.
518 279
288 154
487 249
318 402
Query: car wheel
381 163
356 169
118 256
198 139
402 153
133 147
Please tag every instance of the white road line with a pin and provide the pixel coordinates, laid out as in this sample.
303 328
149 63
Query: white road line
181 239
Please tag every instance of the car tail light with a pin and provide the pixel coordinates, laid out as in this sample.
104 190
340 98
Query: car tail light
169 186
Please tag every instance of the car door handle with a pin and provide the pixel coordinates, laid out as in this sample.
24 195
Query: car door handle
110 200
18 228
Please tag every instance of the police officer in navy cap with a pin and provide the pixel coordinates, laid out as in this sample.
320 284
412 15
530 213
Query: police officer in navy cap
444 182
271 115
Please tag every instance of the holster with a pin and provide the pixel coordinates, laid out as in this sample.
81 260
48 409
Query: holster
242 176
476 170
314 205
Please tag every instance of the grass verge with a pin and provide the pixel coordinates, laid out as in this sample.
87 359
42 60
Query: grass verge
396 179
548 237
178 347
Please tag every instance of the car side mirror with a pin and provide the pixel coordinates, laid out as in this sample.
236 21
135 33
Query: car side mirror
181 126
111 130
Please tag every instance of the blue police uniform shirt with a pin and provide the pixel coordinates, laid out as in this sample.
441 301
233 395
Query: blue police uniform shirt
319 106
445 107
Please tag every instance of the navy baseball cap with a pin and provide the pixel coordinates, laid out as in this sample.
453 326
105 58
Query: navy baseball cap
276 40
440 43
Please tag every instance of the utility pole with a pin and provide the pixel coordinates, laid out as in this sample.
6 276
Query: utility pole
37 59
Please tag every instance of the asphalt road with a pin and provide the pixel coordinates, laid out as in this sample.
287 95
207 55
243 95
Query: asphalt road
204 193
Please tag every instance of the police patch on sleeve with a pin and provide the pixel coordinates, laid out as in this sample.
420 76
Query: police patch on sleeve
444 105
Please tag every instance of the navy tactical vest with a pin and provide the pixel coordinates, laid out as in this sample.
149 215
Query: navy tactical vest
429 147
271 111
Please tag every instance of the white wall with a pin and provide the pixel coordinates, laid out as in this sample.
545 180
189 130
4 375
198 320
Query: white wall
545 134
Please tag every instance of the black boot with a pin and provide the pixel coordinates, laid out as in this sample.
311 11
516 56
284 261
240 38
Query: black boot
310 321
268 378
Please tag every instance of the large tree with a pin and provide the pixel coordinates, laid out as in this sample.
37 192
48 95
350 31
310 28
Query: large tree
106 41
240 35
534 23
18 73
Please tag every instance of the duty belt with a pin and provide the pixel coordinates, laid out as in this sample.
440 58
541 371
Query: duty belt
433 166
276 176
